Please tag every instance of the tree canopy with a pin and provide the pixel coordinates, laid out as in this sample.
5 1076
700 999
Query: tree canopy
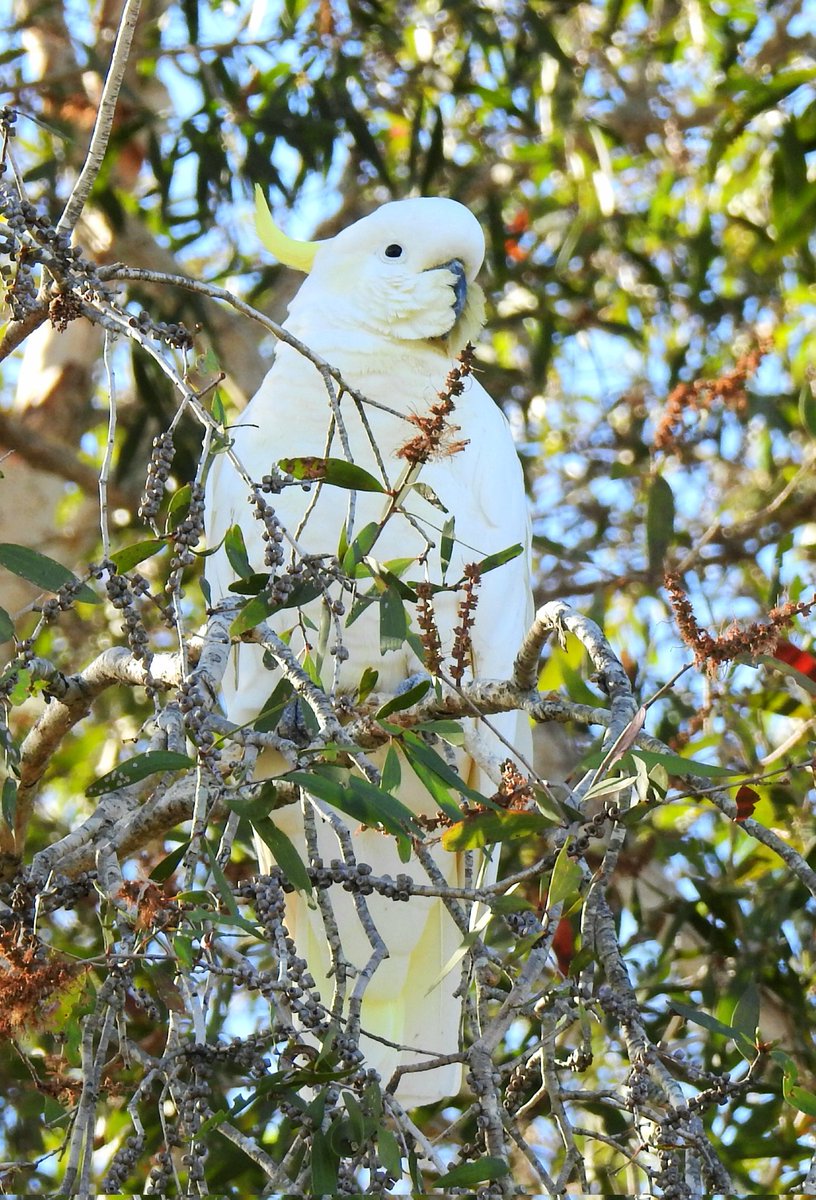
645 174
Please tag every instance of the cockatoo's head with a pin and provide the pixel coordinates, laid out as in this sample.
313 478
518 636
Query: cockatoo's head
407 271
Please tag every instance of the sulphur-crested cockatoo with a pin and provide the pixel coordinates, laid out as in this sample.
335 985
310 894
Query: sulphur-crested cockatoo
389 302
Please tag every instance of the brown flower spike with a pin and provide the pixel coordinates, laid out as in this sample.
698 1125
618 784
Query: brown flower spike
760 637
435 437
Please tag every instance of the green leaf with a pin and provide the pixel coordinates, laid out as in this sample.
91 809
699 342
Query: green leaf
807 408
250 585
21 689
360 547
466 1174
6 626
446 544
236 551
41 570
393 621
498 560
403 700
9 801
334 471
164 869
427 493
388 1152
368 681
178 507
566 879
659 523
745 1045
675 764
324 1163
745 1017
253 613
416 748
357 798
272 711
139 767
390 812
391 772
799 1097
284 852
487 828
126 559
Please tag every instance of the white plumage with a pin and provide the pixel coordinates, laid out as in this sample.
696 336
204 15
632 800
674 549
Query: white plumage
384 303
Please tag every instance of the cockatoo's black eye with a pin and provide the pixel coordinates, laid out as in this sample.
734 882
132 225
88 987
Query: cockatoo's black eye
394 251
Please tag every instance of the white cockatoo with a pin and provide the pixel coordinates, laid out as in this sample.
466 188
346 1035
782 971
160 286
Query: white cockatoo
389 302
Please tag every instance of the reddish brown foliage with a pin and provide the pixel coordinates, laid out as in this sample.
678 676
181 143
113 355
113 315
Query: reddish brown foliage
32 983
760 637
700 396
515 791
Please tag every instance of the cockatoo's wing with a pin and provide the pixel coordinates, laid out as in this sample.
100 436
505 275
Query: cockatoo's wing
387 302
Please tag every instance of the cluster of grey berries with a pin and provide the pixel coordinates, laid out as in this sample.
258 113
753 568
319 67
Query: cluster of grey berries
187 534
121 595
172 334
158 472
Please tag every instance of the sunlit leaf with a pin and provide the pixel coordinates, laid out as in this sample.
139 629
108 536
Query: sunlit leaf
137 768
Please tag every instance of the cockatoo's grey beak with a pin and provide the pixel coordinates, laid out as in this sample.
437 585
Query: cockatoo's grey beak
459 285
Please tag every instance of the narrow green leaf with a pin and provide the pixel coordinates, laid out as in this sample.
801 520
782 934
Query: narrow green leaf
659 522
427 493
253 613
466 1174
236 551
368 681
566 879
339 794
41 570
391 772
675 764
434 786
163 870
358 1121
393 621
130 556
745 1017
334 471
415 1173
139 767
251 585
498 560
403 700
486 828
284 852
272 711
324 1163
707 1022
799 1097
360 547
178 507
6 626
415 746
388 1152
386 809
446 544
220 880
9 801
